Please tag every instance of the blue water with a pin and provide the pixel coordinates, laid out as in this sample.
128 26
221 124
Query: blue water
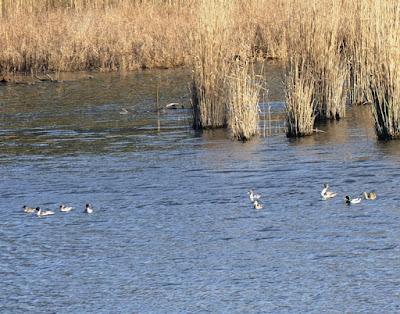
173 230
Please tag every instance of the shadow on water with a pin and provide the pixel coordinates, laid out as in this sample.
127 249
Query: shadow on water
173 229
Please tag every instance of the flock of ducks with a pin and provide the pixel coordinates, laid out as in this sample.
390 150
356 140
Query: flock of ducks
63 208
255 198
326 195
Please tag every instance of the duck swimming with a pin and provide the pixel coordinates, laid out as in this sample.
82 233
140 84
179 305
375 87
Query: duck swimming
42 213
88 209
349 200
174 105
65 208
253 196
257 205
28 210
327 194
124 111
370 195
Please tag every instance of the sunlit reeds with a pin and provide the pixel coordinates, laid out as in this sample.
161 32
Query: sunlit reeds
244 88
43 36
329 65
300 102
383 59
353 51
349 48
211 61
225 89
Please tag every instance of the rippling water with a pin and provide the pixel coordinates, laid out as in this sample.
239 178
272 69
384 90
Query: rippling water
173 230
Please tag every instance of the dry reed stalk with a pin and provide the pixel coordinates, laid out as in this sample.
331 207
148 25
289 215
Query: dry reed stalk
383 41
314 32
125 36
212 57
262 23
353 50
338 40
329 66
299 92
244 88
330 73
74 35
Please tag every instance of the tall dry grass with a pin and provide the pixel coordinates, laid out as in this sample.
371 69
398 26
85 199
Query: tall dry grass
212 46
300 103
43 36
331 64
354 52
74 35
318 42
349 47
225 88
382 42
244 88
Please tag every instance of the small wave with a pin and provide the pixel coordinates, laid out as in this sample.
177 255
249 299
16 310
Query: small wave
324 256
263 238
385 248
269 229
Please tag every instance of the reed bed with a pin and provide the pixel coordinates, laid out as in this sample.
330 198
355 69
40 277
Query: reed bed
383 66
330 65
114 35
300 102
350 48
225 89
211 58
124 36
354 52
244 88
318 42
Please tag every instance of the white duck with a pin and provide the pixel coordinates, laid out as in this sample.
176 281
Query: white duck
349 200
28 210
124 111
370 195
327 194
41 213
89 209
65 208
257 204
253 196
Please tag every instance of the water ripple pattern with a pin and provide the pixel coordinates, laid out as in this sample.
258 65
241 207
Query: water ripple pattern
173 229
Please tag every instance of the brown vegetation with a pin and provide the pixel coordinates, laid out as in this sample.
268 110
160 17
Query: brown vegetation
348 50
212 48
41 36
244 89
382 41
225 89
300 103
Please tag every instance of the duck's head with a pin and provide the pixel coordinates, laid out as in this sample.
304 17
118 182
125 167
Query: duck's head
249 192
61 206
326 185
37 208
372 195
23 207
87 205
347 199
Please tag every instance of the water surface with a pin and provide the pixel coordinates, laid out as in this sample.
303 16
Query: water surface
173 229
